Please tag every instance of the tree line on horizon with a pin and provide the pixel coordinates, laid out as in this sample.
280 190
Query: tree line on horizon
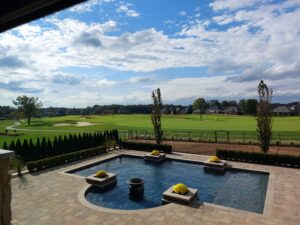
246 107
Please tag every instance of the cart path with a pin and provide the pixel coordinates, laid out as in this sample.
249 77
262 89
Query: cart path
13 127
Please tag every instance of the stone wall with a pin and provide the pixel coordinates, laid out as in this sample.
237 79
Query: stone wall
5 188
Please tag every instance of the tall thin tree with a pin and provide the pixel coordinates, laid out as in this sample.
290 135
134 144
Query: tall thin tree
264 116
156 116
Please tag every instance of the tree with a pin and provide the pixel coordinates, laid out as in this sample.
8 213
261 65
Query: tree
214 103
264 116
156 116
251 105
5 146
248 106
27 106
199 103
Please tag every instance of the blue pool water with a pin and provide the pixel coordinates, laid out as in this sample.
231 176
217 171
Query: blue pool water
236 189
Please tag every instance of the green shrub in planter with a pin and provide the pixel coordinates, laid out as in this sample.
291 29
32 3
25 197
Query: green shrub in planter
259 157
65 158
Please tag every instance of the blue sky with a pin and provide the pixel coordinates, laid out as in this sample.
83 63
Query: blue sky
117 52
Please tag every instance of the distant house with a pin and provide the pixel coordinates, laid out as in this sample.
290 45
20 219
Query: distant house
281 110
165 111
232 110
172 111
123 111
297 108
214 110
185 110
197 111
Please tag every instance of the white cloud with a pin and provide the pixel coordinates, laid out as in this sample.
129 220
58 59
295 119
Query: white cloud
29 30
262 42
182 13
222 20
104 83
221 88
129 12
140 79
88 6
233 4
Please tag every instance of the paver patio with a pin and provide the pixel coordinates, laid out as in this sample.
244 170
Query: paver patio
52 197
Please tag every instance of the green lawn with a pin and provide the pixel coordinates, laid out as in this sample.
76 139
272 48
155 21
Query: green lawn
240 127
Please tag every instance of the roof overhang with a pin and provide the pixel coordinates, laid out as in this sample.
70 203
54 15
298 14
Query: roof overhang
16 12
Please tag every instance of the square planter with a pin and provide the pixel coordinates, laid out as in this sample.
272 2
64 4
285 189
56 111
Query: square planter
215 167
188 199
155 158
103 183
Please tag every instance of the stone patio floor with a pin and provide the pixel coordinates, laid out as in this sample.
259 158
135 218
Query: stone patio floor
51 197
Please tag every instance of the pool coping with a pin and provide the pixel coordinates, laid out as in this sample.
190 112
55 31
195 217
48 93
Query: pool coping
269 198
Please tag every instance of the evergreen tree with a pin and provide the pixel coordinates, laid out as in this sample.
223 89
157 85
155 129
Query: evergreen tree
70 143
32 152
98 138
25 151
60 145
18 148
43 149
116 135
74 143
85 140
65 144
264 116
12 146
49 148
90 142
95 140
5 147
38 150
55 147
156 116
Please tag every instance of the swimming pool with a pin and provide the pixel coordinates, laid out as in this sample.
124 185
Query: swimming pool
236 189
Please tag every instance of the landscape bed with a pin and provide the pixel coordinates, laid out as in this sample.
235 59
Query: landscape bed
213 188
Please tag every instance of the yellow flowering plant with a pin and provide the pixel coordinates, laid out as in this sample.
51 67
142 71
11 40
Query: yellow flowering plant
155 152
180 188
101 174
214 159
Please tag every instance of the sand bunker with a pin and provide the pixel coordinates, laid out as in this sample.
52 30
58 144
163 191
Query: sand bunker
84 124
78 124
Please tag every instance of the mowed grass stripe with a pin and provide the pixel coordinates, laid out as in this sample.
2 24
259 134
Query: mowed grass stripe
285 128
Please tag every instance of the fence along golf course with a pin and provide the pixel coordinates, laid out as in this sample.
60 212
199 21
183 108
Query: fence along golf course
232 128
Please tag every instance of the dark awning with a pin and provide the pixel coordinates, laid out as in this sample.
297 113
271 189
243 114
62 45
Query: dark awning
16 12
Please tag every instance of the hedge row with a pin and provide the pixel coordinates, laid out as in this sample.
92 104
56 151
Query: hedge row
258 157
45 148
146 146
65 158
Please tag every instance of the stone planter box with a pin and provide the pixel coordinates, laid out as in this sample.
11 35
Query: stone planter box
188 199
155 158
215 167
103 183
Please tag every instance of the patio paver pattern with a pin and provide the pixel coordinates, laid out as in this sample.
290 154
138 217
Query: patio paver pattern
51 197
